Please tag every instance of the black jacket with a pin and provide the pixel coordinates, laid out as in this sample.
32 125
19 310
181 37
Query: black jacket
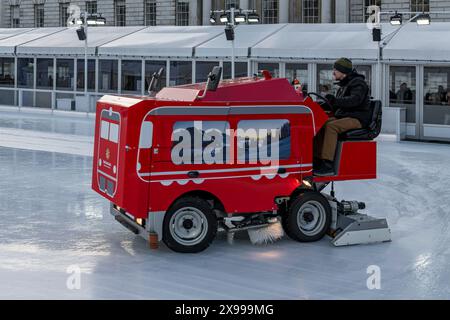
352 99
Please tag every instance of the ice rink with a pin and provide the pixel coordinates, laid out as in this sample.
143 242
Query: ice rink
51 220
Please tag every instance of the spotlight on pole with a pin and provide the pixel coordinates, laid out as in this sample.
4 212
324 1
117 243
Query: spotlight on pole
253 18
212 18
224 18
397 19
423 19
240 18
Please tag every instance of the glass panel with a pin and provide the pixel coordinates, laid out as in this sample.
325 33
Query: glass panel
146 136
270 11
203 68
80 75
325 80
150 68
180 72
298 71
104 131
64 74
7 72
437 96
274 68
257 139
25 69
182 13
208 150
107 80
120 13
402 90
131 75
44 74
113 132
240 70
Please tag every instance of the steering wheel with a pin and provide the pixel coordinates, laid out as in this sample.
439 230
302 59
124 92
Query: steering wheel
325 100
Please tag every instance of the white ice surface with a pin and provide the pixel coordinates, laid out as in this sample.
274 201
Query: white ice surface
50 220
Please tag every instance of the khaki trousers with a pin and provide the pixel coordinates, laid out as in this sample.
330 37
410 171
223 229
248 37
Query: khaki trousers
326 139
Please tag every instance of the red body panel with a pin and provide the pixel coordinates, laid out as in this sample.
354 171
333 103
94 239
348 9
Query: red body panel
148 180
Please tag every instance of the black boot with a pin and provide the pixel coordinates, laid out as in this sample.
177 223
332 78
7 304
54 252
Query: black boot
327 169
317 163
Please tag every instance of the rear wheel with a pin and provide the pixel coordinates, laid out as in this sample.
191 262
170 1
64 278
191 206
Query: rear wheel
308 217
190 225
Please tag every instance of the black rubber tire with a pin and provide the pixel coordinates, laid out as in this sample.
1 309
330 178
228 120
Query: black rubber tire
211 219
290 224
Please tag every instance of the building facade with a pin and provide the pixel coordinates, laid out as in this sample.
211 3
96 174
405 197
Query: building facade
53 13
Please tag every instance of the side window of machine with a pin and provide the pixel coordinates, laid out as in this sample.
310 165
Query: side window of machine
104 129
146 136
200 142
263 140
114 132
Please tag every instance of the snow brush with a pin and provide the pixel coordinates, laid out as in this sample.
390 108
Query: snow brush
267 234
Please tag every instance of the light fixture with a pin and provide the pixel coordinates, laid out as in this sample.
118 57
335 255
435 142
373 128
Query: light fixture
212 18
397 19
240 18
81 34
96 19
229 32
423 19
253 18
224 18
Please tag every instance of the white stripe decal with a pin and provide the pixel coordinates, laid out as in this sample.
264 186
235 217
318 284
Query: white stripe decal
107 175
147 174
230 177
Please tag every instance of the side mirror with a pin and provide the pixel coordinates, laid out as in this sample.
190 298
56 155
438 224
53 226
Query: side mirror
155 82
214 79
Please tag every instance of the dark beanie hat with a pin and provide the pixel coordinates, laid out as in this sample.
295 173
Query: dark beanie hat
344 65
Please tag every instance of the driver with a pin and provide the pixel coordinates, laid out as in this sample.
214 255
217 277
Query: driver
351 111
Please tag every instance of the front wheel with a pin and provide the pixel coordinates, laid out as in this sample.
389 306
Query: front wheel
308 217
190 225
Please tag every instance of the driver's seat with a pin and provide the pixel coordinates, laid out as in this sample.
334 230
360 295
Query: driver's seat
372 130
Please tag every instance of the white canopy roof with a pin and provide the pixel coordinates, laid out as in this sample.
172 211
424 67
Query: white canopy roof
285 41
416 42
321 41
8 45
161 41
246 36
66 41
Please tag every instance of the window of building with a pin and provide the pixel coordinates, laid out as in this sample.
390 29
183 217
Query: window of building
120 13
15 16
311 11
63 14
270 11
108 75
240 70
203 68
91 74
150 68
260 140
182 13
25 72
64 74
299 72
180 72
231 3
39 15
436 95
150 12
420 5
44 75
131 76
368 3
7 72
402 90
91 7
273 68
